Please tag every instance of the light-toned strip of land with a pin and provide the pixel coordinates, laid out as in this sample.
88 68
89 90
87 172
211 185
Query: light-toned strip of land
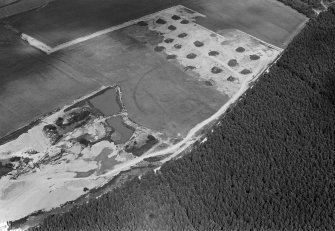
49 50
192 136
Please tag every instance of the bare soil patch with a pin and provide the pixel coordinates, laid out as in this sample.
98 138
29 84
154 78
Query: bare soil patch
169 40
171 57
182 35
191 56
159 48
231 78
160 21
172 27
216 70
240 49
254 57
209 83
245 72
175 17
213 53
198 44
187 68
232 63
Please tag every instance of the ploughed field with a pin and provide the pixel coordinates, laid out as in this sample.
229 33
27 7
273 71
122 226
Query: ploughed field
12 7
166 73
62 21
59 23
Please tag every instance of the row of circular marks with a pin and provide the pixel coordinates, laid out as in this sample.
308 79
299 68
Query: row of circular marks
196 43
201 44
214 70
183 35
231 63
174 17
162 22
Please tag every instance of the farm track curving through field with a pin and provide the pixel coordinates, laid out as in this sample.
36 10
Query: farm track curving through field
191 137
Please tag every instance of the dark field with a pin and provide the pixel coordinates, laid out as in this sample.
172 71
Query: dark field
13 7
62 20
268 165
156 93
32 84
267 20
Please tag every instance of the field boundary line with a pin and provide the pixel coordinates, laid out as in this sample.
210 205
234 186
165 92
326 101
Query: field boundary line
258 39
49 50
262 41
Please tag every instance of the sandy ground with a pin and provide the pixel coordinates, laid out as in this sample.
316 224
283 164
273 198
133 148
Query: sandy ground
200 42
160 94
46 83
57 173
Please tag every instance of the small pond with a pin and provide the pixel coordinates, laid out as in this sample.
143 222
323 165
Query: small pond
107 102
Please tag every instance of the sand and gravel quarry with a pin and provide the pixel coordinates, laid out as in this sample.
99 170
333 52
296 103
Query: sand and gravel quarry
111 88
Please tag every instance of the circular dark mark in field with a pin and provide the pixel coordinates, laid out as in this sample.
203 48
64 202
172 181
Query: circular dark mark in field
240 49
191 56
184 21
171 57
231 78
198 44
209 82
142 23
254 57
189 68
245 71
159 48
177 46
232 63
213 35
175 17
161 21
182 35
172 27
216 70
169 40
213 53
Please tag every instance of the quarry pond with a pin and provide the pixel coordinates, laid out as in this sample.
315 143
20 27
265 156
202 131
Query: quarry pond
123 90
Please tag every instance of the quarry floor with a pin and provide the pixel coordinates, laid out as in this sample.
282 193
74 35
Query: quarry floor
164 90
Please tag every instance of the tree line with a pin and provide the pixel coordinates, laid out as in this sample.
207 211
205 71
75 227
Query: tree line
269 165
304 6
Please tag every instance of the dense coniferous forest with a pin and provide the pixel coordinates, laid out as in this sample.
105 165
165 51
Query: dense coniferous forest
269 165
304 6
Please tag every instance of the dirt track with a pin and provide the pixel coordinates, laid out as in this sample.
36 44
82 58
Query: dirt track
268 20
158 93
32 83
